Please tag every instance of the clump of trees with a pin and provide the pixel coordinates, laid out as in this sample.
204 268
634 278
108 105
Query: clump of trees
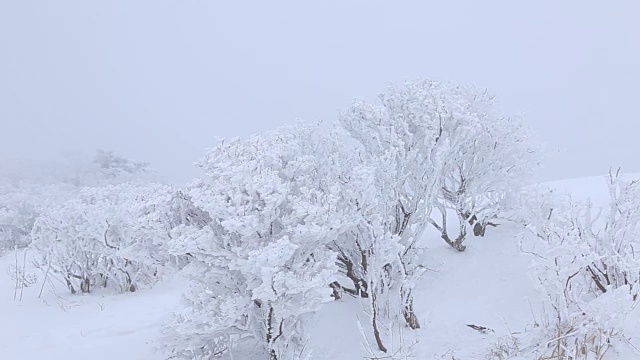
113 235
298 203
94 224
285 221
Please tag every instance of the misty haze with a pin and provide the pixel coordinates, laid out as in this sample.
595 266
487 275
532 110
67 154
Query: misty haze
326 180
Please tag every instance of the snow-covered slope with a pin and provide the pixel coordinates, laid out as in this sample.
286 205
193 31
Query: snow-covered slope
97 327
592 187
487 286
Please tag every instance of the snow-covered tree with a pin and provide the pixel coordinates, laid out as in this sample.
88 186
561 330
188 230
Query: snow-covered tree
116 234
369 256
401 137
104 168
489 157
586 265
262 264
429 145
429 134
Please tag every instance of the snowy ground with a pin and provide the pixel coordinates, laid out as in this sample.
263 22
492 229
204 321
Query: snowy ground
93 327
487 286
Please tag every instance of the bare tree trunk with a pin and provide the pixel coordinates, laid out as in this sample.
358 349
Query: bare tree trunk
336 288
479 226
271 337
70 285
85 285
359 285
457 243
407 310
374 323
479 229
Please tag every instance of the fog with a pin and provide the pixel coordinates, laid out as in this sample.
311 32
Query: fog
160 81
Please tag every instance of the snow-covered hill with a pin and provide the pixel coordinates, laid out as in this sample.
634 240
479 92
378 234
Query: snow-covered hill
488 285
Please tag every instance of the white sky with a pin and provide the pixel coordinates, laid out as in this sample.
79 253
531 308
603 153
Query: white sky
159 80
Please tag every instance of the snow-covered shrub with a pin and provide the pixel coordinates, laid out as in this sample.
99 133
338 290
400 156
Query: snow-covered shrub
27 190
20 276
157 215
17 214
587 267
115 234
21 204
262 264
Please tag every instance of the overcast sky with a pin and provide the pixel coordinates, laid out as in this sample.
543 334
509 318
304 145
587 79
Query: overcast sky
160 80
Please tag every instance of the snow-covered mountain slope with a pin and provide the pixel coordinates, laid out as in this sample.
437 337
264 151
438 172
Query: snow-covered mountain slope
487 285
592 187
